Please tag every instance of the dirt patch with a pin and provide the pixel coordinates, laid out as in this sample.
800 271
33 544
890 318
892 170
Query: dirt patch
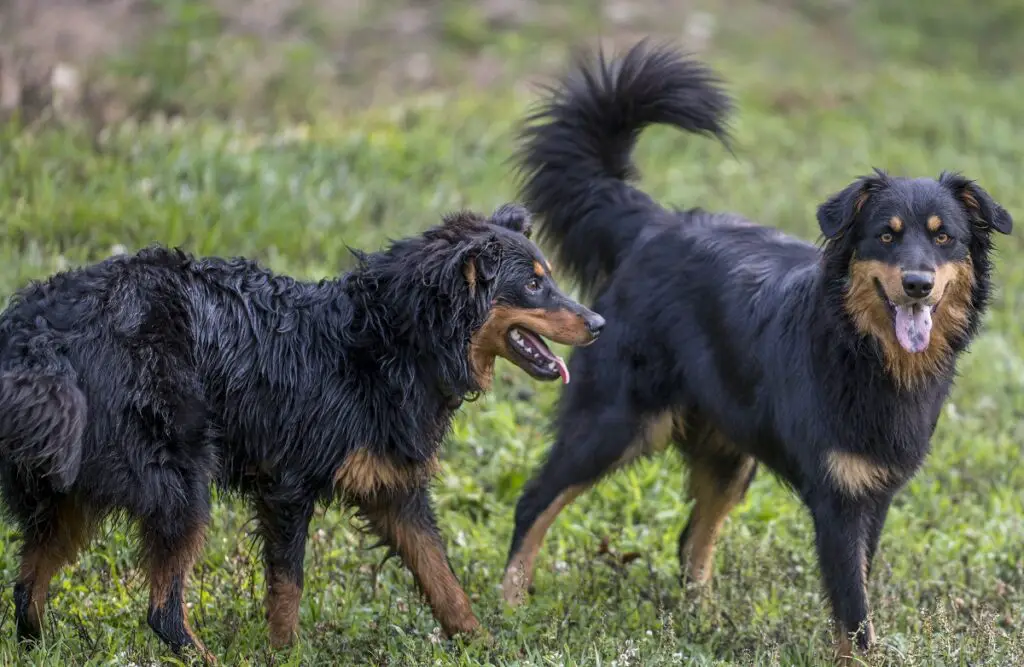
105 59
46 48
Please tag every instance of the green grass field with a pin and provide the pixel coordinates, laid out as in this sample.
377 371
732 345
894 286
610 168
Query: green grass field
820 102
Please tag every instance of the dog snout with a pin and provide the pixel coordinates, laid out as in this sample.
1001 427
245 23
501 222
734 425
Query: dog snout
594 323
918 284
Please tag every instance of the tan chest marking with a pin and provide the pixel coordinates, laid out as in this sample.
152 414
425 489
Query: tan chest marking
855 474
365 474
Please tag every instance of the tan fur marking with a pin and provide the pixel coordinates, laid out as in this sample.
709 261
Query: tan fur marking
179 566
955 274
490 341
844 649
896 224
862 199
39 565
40 569
469 271
538 270
283 599
864 567
654 437
423 554
363 474
714 499
855 474
870 314
870 629
519 573
872 638
845 652
934 223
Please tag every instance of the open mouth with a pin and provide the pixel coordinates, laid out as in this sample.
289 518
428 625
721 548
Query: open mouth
533 356
911 321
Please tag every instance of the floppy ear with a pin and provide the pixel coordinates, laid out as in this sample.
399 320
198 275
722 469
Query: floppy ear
842 208
983 209
482 263
514 217
488 260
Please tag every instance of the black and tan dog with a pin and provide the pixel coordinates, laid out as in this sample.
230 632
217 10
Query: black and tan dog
132 385
738 343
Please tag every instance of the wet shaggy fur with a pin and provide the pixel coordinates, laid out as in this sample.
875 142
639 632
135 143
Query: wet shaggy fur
132 385
737 343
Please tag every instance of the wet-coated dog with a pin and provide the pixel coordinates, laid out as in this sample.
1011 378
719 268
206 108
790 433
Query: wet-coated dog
738 343
133 385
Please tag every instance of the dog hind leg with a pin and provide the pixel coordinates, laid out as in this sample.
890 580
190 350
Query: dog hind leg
172 541
719 477
53 536
572 466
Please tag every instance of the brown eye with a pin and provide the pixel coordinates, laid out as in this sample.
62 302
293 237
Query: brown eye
886 237
533 285
942 238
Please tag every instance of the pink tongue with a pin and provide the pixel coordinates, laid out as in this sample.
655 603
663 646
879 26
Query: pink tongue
562 369
913 327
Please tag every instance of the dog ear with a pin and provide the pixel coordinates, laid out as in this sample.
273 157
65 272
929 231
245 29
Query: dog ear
984 210
481 264
514 217
488 261
841 209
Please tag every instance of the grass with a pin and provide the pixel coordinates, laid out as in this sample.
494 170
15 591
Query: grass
949 587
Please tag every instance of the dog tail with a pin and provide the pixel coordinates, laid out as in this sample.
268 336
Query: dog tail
42 418
575 152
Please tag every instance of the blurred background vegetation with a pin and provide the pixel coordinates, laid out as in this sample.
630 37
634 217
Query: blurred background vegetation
295 59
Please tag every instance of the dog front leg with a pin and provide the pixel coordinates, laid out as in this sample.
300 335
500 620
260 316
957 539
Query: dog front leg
283 527
841 532
405 522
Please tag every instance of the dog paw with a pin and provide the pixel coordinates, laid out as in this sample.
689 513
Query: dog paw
514 586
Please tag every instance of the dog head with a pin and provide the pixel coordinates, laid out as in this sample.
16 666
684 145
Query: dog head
511 281
913 248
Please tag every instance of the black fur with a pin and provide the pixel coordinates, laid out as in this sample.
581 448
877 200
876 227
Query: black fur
168 623
133 384
738 330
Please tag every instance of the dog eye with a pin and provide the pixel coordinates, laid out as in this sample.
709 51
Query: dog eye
886 237
942 238
533 285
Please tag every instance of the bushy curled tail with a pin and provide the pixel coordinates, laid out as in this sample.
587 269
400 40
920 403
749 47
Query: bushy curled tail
575 156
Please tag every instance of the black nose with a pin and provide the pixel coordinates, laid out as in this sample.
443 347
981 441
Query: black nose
595 324
918 284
